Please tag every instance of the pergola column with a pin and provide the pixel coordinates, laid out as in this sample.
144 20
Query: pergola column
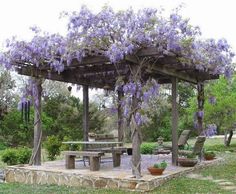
120 117
136 135
85 112
174 122
36 155
200 113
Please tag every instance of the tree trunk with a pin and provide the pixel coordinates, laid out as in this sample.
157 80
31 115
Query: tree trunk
227 140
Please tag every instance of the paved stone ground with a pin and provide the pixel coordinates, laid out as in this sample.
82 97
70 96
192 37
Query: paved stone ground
223 183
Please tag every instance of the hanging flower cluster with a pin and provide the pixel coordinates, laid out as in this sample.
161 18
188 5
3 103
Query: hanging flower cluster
210 130
143 93
43 50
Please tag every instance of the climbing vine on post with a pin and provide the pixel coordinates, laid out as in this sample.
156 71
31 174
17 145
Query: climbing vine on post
37 93
200 113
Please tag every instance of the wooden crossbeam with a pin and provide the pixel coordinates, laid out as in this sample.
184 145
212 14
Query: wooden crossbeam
65 76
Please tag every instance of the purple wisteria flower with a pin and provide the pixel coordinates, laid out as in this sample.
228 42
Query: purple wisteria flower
200 114
210 130
212 100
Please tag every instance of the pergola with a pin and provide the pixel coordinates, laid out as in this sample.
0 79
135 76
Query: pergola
97 71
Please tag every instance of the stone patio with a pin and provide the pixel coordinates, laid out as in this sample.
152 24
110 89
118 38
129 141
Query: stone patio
107 177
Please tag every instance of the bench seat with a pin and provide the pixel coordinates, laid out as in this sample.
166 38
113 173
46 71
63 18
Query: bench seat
94 158
116 153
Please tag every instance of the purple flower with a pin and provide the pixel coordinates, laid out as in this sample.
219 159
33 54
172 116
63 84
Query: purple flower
212 100
138 119
210 130
200 114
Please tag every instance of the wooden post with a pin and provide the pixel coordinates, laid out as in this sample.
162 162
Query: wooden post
135 128
85 113
174 122
120 118
136 155
36 156
200 99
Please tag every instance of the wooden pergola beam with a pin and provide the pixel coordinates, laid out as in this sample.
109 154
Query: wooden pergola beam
63 77
173 73
156 67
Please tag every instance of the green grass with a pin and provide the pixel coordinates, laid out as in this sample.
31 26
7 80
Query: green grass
227 171
188 186
15 188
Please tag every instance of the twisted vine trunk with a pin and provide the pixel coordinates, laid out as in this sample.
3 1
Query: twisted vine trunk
136 142
36 154
200 98
135 129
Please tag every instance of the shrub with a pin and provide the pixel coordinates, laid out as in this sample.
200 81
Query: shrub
52 146
13 156
24 155
3 146
147 148
9 156
161 165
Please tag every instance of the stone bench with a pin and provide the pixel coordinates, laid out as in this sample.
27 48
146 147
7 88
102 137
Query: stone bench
115 151
94 158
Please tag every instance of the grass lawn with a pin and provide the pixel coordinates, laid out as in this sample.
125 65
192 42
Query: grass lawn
183 184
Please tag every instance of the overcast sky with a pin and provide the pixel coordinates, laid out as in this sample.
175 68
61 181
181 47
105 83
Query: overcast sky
216 18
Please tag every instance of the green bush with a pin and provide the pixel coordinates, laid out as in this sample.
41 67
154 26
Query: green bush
52 146
24 155
147 148
13 156
3 146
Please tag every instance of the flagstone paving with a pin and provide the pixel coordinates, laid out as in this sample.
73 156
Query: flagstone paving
107 177
223 183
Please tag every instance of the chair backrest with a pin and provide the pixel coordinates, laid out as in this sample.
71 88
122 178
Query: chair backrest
183 138
198 146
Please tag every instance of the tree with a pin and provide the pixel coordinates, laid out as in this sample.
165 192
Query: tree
54 89
220 106
7 98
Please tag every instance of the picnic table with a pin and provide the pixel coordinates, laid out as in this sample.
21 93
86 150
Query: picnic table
101 146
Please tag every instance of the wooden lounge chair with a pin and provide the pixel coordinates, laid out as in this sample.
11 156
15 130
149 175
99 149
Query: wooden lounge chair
197 148
182 141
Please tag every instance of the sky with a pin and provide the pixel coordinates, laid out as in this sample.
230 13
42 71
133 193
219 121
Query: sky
216 18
